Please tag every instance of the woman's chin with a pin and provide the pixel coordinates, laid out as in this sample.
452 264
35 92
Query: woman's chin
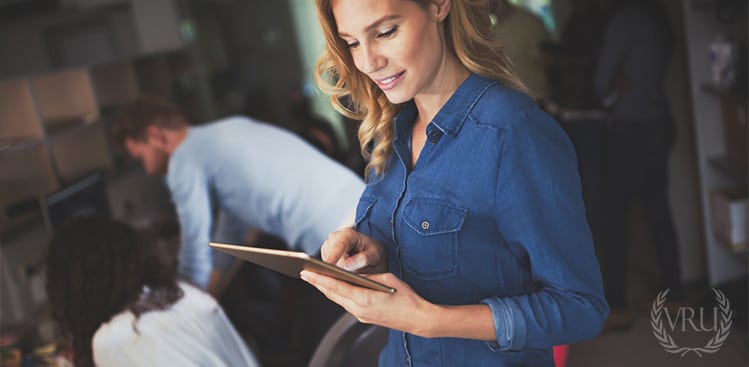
397 98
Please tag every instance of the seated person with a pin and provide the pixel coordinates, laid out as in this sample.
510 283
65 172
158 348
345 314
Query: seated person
117 297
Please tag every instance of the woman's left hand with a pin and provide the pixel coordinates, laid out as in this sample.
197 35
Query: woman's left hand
403 310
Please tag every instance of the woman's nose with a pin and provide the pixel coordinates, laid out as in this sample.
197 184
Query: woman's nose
371 60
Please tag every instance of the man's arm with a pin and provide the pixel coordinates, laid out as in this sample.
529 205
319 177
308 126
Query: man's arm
193 204
228 229
615 45
221 277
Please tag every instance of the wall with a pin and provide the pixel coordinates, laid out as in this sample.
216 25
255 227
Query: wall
263 59
157 24
702 25
311 44
683 176
561 10
29 44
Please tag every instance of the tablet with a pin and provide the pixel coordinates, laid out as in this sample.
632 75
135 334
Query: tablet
293 262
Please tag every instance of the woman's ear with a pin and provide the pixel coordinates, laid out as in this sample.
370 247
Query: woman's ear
440 9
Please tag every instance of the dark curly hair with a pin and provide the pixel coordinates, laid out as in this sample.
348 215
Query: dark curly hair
97 268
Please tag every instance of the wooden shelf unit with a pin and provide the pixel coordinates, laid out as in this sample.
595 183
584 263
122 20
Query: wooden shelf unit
18 117
65 95
51 131
716 171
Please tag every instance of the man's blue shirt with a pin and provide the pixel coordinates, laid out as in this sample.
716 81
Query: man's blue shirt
260 176
491 213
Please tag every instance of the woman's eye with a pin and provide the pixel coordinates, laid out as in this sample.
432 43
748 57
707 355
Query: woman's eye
387 33
352 44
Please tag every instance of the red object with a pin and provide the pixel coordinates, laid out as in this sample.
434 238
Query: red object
560 355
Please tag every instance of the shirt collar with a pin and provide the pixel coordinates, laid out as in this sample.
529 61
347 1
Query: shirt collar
451 116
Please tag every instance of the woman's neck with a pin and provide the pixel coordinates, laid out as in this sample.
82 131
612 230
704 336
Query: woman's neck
446 82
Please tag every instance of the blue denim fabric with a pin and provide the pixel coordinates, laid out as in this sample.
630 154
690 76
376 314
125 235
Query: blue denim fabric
491 213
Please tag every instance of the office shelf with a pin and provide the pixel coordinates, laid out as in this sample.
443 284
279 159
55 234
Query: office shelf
730 169
50 129
736 93
18 116
716 113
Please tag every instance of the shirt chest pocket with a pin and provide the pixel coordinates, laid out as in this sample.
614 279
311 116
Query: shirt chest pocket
429 243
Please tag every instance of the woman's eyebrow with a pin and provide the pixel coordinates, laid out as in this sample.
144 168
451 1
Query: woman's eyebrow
374 24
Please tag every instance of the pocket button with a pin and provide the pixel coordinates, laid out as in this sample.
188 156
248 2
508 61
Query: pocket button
425 225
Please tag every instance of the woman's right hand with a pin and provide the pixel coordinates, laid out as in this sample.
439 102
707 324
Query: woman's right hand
354 251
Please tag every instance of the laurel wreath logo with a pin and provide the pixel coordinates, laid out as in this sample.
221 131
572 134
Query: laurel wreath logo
667 342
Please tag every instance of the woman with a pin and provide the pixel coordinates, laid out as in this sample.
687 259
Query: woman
120 303
473 203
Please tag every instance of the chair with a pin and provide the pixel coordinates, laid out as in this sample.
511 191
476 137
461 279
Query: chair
349 343
560 355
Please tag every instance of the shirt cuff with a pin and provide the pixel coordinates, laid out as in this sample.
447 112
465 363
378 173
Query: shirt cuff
509 325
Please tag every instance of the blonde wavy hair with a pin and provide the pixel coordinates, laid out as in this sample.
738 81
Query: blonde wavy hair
355 95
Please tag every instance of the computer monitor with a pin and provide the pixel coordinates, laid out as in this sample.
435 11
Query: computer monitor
85 197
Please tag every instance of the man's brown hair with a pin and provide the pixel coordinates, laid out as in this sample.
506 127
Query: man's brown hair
131 122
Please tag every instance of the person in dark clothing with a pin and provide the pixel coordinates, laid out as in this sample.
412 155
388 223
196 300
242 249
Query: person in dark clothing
572 58
629 79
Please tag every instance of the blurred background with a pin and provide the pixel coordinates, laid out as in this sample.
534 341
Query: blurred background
67 65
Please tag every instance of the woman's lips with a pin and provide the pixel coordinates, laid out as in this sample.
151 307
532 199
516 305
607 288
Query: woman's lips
389 82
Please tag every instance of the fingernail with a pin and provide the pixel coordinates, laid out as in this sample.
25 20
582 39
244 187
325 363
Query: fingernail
303 275
358 263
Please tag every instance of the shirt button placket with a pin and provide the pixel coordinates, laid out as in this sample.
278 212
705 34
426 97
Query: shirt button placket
407 359
434 136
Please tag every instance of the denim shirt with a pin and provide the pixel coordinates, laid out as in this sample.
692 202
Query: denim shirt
491 213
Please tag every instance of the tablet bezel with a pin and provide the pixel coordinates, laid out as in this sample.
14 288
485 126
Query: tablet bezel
293 262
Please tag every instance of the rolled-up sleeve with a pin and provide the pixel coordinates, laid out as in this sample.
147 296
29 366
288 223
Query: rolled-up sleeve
540 213
615 45
509 325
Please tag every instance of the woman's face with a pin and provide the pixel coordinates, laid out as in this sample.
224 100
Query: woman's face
397 43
